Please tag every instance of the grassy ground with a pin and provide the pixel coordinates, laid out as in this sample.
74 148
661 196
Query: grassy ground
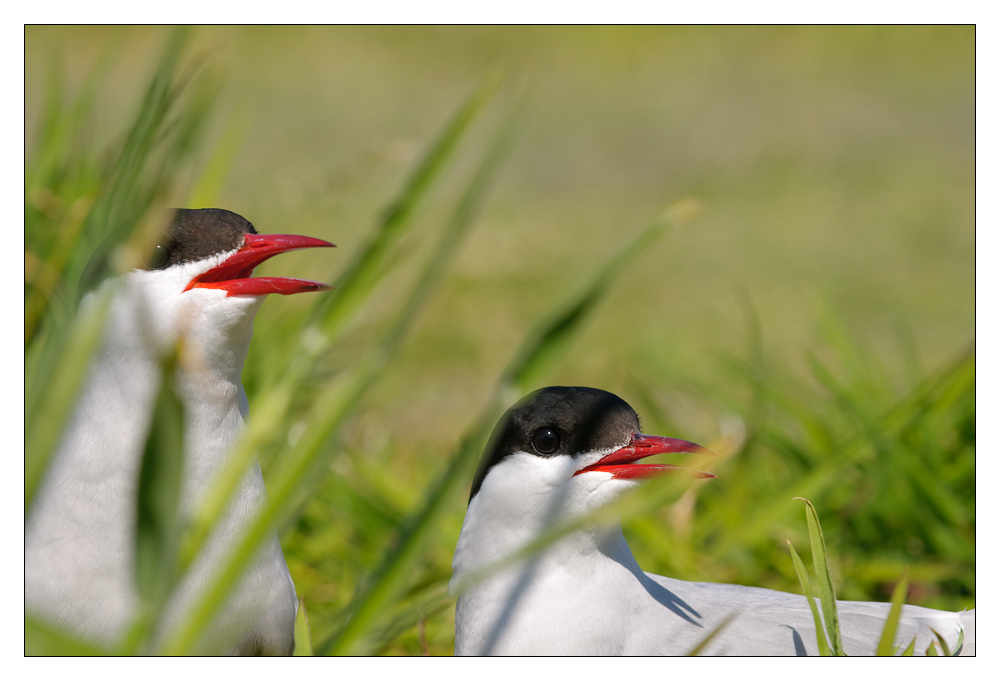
815 323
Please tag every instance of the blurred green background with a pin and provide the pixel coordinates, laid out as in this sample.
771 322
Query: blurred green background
828 281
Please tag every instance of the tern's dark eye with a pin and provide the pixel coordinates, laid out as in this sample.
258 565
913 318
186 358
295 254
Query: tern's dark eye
545 440
158 258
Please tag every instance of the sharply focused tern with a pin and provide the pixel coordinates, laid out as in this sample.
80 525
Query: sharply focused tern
561 453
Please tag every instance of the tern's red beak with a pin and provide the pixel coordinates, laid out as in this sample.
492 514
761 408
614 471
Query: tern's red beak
621 462
234 273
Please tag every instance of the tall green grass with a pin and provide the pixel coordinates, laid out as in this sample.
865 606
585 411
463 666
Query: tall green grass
83 223
820 587
369 536
894 471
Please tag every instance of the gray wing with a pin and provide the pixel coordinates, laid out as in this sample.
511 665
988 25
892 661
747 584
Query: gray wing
767 622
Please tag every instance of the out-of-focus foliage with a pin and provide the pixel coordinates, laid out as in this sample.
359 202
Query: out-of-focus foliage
813 326
83 221
892 475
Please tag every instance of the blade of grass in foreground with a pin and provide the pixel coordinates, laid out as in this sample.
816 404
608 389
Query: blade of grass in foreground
359 279
703 643
960 643
157 527
821 566
329 319
405 617
43 639
885 646
551 337
946 651
204 193
539 350
303 644
800 570
301 467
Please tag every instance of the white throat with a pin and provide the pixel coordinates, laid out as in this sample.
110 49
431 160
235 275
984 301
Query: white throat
521 498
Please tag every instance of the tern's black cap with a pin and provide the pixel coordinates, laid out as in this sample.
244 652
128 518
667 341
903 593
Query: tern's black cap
196 234
583 420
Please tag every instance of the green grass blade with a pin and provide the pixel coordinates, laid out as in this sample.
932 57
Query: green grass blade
535 354
266 420
159 488
910 648
303 644
931 650
694 652
821 566
946 651
359 279
458 225
885 646
552 336
43 639
800 570
217 169
961 642
157 526
411 615
352 638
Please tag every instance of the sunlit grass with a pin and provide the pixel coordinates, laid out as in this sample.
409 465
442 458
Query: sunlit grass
819 586
365 440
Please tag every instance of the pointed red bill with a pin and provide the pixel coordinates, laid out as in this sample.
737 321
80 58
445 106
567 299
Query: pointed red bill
621 462
234 274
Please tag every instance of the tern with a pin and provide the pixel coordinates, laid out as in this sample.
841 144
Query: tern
563 452
80 532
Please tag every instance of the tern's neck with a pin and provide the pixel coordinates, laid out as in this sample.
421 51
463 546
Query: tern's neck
489 540
536 605
214 336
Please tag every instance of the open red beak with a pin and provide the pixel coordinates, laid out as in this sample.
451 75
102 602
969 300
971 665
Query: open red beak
234 273
621 462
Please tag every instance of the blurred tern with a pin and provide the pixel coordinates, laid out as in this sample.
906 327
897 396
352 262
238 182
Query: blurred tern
561 453
80 531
